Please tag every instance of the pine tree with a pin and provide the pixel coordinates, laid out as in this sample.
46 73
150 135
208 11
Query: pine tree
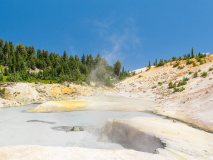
22 50
192 53
156 62
1 44
65 57
149 64
76 58
117 67
83 59
97 59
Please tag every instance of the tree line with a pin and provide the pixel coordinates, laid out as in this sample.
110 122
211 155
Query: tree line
24 63
185 57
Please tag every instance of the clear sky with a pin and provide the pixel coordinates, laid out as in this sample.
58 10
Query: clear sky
133 31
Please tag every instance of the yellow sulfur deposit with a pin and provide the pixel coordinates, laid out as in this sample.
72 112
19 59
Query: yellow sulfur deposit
54 106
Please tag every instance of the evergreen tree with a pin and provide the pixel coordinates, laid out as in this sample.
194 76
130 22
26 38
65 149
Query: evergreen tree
1 44
83 59
117 67
22 50
65 57
22 59
192 53
97 59
76 58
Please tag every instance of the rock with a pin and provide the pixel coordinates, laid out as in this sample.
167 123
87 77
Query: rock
77 128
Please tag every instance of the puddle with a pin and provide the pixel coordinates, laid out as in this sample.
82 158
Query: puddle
41 121
130 137
65 129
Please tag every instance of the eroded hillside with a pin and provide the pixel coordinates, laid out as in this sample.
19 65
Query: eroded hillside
193 104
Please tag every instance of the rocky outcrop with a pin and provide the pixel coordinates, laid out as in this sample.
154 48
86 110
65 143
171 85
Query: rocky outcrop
8 103
27 93
21 93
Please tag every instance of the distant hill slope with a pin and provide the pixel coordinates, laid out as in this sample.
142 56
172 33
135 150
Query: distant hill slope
194 104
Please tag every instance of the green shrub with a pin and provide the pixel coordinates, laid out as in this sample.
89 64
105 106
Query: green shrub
2 91
199 70
194 64
181 89
177 64
210 69
195 74
170 85
204 74
190 72
181 83
154 87
63 78
176 89
185 79
1 77
160 83
139 76
189 62
15 77
180 67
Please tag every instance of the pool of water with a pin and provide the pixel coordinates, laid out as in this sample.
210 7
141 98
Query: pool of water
19 127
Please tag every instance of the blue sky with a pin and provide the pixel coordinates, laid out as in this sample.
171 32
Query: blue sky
133 31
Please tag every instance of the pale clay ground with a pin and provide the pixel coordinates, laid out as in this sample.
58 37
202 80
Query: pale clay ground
193 105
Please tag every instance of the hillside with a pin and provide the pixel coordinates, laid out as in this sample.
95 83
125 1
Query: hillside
193 105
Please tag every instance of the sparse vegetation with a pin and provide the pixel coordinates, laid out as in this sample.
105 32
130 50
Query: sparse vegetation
210 69
154 87
190 72
195 74
2 91
181 89
185 79
171 85
160 83
189 62
176 89
200 58
183 82
204 74
1 77
177 64
194 64
180 67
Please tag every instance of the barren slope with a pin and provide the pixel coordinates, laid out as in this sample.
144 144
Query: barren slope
193 105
